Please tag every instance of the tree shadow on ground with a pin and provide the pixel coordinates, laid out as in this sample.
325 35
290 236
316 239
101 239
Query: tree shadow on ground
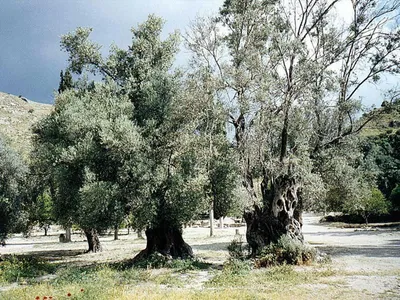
31 243
212 246
362 250
50 255
350 233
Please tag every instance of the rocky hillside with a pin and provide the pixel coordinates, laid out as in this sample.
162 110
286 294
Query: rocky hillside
17 115
386 123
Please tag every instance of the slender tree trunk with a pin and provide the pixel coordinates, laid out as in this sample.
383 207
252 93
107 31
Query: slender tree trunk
212 218
68 234
93 240
45 230
221 222
278 216
115 233
166 240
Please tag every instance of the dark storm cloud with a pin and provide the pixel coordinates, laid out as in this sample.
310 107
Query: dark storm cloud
30 56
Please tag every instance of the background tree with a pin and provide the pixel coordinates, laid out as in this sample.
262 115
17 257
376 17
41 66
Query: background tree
83 147
289 73
66 81
381 151
13 172
213 146
41 211
373 202
395 198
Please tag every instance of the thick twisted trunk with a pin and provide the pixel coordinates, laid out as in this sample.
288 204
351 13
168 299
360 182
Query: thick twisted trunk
166 240
93 240
280 214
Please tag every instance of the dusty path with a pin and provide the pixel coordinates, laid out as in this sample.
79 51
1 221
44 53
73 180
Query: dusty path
366 259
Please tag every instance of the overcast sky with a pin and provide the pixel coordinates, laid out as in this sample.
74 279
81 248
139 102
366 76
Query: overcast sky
30 30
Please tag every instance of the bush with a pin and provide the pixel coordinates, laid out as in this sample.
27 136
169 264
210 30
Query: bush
237 250
237 267
285 251
157 260
15 269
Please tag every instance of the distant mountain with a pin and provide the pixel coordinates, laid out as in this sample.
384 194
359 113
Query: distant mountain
17 115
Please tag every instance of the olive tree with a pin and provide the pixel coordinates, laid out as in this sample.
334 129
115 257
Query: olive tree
82 149
288 73
127 143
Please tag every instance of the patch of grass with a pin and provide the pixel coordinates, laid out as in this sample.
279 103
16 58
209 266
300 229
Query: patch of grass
18 269
233 273
76 292
159 293
169 279
101 273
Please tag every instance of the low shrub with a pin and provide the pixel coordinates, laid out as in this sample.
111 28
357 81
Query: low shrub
238 250
285 251
157 261
237 267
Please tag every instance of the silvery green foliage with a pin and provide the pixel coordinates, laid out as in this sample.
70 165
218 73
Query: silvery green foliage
83 145
213 146
287 73
13 172
127 143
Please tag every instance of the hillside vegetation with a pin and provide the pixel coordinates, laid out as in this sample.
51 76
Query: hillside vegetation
17 116
385 123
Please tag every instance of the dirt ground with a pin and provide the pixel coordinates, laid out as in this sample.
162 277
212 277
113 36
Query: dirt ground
368 258
365 259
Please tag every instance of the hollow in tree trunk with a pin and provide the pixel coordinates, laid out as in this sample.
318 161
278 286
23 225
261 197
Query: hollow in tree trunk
93 240
281 214
166 240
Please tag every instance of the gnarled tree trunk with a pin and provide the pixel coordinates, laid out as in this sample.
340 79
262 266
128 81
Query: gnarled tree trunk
93 240
166 240
280 214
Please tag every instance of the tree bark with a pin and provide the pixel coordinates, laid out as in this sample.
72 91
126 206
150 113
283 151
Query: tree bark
67 234
93 240
115 233
212 218
140 234
166 240
280 215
